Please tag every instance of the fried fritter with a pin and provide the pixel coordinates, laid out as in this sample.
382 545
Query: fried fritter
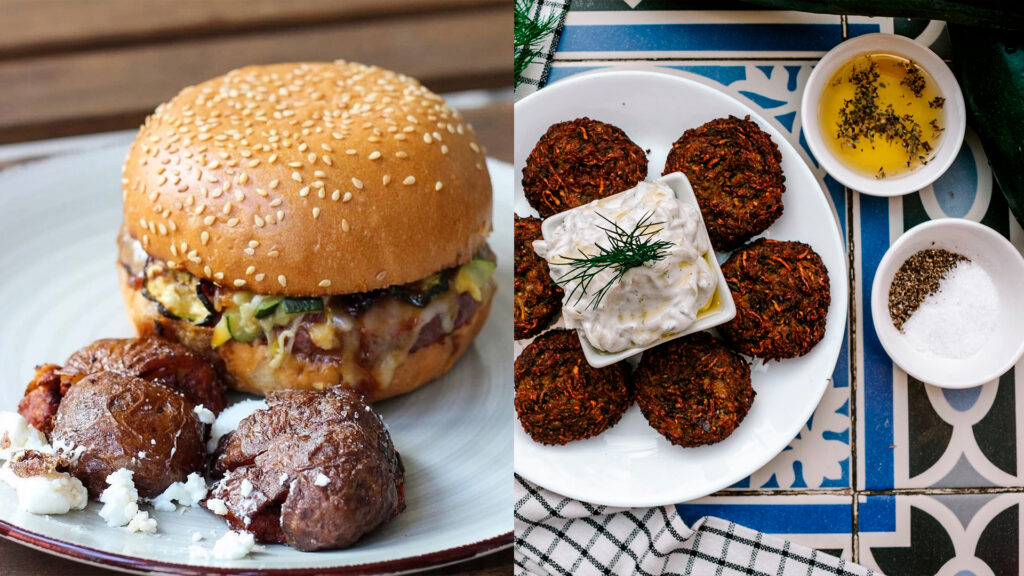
736 173
782 296
580 161
538 300
693 390
561 398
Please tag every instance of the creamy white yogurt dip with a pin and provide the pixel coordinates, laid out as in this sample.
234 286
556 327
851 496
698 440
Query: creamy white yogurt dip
659 298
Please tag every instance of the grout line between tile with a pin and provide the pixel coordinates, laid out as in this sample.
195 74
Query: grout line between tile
852 224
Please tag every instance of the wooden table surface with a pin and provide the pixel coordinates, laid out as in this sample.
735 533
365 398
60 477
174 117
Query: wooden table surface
70 67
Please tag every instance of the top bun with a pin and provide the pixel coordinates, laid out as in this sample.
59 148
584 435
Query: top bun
307 179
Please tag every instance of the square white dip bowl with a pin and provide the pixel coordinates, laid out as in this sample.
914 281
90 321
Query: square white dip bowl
724 312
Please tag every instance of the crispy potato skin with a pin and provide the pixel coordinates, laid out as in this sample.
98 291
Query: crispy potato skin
127 422
282 451
157 360
42 398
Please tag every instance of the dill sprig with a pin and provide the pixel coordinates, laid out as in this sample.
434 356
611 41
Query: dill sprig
626 250
529 35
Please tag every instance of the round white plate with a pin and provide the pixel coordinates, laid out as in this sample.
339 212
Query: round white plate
632 464
60 218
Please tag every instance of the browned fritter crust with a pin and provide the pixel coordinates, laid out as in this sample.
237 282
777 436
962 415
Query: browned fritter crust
561 398
580 161
736 173
693 390
538 300
782 295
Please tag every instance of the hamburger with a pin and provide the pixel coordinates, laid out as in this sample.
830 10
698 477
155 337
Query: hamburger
309 225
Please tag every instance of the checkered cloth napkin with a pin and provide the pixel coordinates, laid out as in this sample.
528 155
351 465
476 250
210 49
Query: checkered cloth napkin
536 74
560 536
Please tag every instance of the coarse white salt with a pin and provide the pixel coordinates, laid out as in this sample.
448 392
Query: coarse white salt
959 318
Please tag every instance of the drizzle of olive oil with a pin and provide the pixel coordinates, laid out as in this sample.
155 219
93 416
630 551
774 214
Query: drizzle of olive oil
715 302
875 155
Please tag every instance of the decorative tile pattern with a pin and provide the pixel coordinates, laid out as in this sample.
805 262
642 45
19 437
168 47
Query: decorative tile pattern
889 472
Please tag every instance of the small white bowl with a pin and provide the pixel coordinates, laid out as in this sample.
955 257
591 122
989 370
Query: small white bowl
948 146
727 311
1004 265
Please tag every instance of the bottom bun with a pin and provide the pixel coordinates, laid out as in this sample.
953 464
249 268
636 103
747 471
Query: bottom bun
246 366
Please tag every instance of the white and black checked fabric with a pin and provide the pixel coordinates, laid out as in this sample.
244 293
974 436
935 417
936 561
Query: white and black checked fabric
559 536
536 74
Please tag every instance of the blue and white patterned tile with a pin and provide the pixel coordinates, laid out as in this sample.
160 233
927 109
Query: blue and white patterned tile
910 434
945 534
819 457
822 522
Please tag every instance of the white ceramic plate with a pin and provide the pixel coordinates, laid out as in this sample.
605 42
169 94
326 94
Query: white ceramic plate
60 217
1004 265
632 464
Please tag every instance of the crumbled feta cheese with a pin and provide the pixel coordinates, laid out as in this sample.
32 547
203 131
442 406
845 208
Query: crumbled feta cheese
188 493
246 487
229 418
56 493
322 480
71 452
16 434
284 478
142 455
141 522
205 415
120 499
234 546
217 506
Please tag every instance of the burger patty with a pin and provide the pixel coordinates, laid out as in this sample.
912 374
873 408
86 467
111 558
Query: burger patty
781 290
693 390
369 332
736 173
561 398
538 300
580 161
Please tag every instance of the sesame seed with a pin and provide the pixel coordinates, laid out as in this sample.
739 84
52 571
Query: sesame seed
232 222
304 191
374 155
239 282
274 183
242 178
400 136
327 147
357 183
250 270
438 185
346 198
336 136
386 179
474 146
213 165
344 225
259 277
273 253
444 148
272 159
174 250
207 270
409 180
351 152
324 283
209 220
227 208
259 221
162 228
280 215
401 154
275 202
316 212
321 193
204 236
381 275
426 138
320 174
295 164
217 193
311 158
282 280
327 160
218 276
303 147
296 176
249 251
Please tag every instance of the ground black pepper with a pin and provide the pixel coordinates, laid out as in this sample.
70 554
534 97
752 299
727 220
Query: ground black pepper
918 277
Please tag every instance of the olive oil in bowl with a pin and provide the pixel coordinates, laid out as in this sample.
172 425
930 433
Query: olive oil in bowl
882 115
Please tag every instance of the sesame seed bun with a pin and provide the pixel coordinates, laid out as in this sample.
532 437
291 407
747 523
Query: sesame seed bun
247 366
307 179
